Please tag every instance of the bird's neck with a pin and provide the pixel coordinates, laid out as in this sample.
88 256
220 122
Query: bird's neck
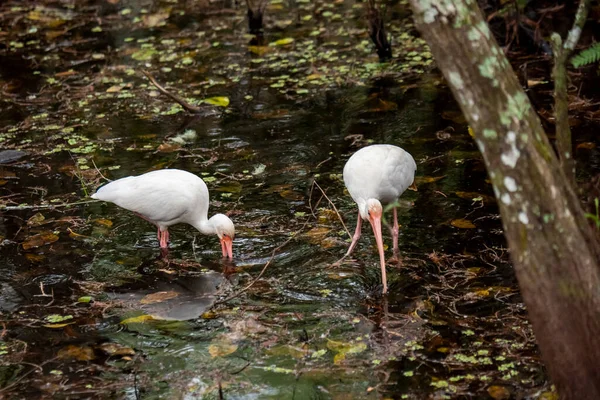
205 226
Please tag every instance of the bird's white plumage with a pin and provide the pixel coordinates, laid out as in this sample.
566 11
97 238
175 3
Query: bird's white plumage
381 172
165 197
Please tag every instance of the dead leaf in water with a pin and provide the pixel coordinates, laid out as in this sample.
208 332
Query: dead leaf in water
35 257
316 235
104 222
419 180
36 219
158 297
221 347
168 148
140 319
115 349
462 223
498 392
41 239
586 145
83 353
475 196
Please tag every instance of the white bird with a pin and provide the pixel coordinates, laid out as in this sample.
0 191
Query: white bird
167 197
374 175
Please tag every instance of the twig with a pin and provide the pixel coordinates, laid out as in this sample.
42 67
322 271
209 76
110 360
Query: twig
98 170
45 206
334 208
267 264
187 106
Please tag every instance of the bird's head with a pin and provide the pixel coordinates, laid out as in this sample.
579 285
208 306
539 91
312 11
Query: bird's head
225 230
371 210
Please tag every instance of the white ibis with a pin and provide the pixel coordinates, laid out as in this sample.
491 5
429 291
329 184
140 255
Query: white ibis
374 175
167 197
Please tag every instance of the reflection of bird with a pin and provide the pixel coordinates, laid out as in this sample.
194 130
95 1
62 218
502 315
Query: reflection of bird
373 175
167 197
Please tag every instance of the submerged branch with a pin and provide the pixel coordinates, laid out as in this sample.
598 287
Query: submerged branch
186 106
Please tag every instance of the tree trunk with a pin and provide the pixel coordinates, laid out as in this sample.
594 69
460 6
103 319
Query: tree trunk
552 246
562 51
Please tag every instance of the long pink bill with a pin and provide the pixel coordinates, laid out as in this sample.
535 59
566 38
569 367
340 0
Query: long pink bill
227 247
375 221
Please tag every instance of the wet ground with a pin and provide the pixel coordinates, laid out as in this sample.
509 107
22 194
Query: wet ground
90 310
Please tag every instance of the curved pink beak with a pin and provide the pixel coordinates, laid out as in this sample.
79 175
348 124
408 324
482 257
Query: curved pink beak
227 247
375 221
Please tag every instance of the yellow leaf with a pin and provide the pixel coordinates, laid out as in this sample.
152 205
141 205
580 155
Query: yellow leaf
419 180
338 358
140 319
282 42
258 50
36 219
56 326
115 349
471 132
462 223
221 349
316 235
221 101
312 77
77 236
158 297
104 222
41 239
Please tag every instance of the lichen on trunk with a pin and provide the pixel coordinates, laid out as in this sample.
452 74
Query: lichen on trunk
553 248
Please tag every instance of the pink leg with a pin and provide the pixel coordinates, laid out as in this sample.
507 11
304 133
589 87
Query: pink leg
395 233
163 238
356 235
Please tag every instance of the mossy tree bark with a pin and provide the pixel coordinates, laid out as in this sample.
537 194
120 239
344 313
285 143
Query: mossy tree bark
553 248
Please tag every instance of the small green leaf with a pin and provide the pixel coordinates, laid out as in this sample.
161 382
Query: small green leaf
221 101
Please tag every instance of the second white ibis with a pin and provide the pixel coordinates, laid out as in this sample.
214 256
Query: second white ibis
167 197
374 175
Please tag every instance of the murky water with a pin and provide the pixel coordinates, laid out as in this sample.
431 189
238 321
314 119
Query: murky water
453 325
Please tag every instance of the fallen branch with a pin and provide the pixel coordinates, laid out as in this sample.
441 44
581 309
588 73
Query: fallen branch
186 106
267 264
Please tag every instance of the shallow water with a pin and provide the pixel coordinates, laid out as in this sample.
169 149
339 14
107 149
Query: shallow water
453 325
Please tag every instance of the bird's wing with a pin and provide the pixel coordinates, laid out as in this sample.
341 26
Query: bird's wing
160 197
382 172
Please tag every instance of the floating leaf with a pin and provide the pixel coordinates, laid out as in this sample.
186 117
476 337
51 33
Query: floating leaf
462 223
474 196
115 349
104 222
221 348
282 42
41 239
54 318
168 148
221 101
83 353
498 392
419 180
258 50
57 326
158 297
36 219
586 145
85 299
140 319
343 348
